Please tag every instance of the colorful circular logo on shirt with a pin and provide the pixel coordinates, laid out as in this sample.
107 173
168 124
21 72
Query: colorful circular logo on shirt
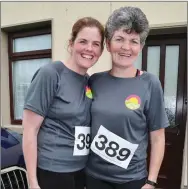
88 92
133 102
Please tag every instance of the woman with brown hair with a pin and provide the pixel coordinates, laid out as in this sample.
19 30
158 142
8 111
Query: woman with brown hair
56 118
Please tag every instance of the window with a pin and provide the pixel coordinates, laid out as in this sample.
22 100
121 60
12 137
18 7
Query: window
28 51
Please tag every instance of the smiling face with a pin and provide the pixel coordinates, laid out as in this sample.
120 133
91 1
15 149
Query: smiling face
87 47
124 48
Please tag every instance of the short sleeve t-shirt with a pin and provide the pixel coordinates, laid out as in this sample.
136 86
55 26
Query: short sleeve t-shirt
124 111
62 97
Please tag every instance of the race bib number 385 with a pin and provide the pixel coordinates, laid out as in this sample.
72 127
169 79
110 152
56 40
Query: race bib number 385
82 141
113 148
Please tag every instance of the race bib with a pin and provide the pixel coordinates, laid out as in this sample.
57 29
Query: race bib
82 141
113 148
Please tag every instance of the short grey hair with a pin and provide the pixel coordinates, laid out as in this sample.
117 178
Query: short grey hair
130 19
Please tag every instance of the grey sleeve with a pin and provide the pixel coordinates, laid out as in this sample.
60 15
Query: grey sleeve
42 91
155 108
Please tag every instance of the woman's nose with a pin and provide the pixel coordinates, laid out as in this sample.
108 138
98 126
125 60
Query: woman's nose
126 45
89 47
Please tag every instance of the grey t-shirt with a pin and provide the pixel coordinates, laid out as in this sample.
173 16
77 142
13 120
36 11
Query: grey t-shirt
59 95
123 109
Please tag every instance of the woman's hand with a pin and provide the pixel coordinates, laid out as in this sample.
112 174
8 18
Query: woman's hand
34 186
147 186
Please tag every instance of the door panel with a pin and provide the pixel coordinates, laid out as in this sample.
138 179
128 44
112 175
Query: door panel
170 81
153 60
165 56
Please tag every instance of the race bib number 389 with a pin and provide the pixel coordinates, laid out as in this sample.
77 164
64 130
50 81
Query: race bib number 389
82 141
113 148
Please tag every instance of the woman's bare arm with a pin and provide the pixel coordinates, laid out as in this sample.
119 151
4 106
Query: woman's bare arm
31 126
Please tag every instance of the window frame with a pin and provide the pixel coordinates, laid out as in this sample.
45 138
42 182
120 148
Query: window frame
28 55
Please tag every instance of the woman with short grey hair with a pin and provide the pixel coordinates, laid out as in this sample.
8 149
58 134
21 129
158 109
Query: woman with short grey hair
127 109
130 19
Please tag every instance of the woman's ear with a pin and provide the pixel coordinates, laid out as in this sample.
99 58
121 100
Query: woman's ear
141 47
70 46
102 48
107 45
70 43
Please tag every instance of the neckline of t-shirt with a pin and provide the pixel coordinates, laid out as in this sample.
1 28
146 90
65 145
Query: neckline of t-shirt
126 78
68 70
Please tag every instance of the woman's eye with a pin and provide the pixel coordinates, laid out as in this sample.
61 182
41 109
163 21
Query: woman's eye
83 42
97 45
135 42
118 39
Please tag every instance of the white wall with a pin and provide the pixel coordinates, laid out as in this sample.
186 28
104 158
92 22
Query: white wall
5 99
64 14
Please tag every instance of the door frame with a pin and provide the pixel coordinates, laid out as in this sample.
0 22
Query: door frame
171 35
